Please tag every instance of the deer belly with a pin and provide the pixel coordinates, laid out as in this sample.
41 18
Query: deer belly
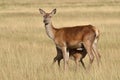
74 45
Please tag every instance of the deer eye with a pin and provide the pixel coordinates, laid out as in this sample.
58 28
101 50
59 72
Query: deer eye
50 16
44 16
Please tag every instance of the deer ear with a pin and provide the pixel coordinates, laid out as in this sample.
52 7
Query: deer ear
53 12
42 12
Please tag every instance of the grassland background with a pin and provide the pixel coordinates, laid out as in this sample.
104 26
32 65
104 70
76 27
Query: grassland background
26 53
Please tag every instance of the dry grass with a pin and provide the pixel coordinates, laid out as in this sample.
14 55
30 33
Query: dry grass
26 53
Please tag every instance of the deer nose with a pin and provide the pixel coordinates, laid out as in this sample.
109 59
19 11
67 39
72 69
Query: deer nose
44 21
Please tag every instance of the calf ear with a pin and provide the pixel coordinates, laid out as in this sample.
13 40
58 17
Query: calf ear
53 12
42 12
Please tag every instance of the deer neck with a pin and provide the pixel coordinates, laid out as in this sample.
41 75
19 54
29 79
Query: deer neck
50 30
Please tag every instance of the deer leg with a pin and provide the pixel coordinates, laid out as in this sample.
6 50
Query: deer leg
58 57
88 47
95 50
77 63
82 63
55 59
65 56
59 62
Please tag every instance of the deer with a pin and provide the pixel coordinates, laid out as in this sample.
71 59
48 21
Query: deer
76 54
72 37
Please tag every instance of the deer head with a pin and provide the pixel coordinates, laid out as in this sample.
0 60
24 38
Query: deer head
47 16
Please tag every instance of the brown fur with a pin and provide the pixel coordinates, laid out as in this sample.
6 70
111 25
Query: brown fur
72 38
78 55
74 35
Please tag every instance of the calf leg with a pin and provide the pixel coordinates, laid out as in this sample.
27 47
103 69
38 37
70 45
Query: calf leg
81 60
58 57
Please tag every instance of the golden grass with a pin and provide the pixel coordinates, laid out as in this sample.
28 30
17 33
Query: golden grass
26 53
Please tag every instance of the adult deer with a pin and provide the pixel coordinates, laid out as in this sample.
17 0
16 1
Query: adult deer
72 37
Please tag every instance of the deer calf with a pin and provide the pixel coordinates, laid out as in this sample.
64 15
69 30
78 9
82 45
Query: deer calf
77 54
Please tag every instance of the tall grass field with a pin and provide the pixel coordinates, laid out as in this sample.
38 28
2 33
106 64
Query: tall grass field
26 52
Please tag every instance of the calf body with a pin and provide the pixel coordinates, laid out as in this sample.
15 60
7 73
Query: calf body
77 54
